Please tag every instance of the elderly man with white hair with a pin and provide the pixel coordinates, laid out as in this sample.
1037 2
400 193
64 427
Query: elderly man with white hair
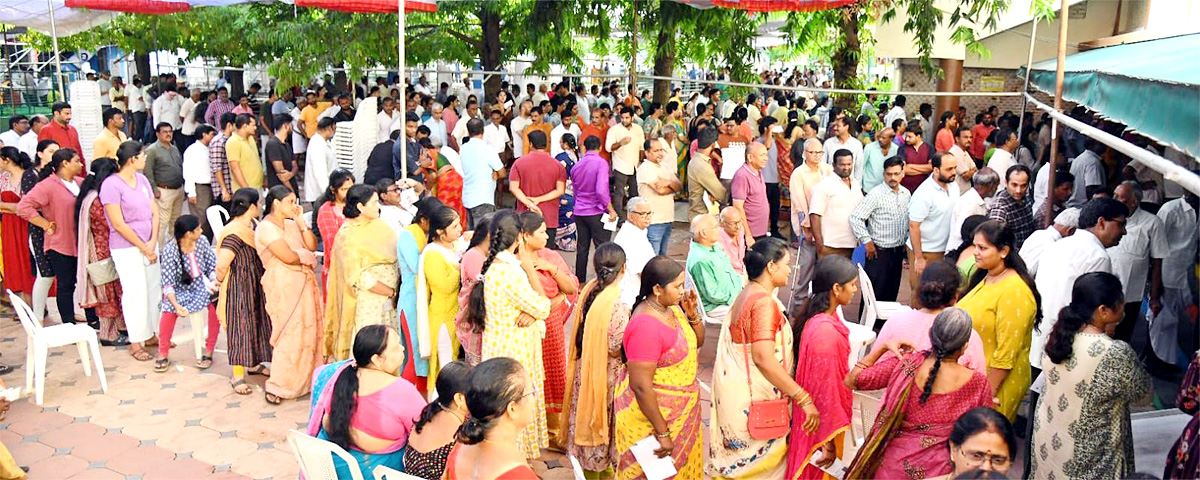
633 237
1037 243
711 271
972 202
437 124
732 240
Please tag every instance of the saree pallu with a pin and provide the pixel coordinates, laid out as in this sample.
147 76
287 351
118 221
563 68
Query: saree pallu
821 365
358 246
554 349
678 394
293 303
449 188
733 453
592 375
785 174
322 401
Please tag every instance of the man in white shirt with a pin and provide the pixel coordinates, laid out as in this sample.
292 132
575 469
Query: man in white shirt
29 141
494 132
897 111
422 86
18 125
632 238
925 120
320 160
197 175
567 126
105 86
1006 145
843 140
1088 170
1137 259
972 202
658 184
481 167
137 106
437 125
833 200
167 108
624 141
387 116
1179 277
929 213
460 127
518 125
188 112
966 165
1101 225
1037 243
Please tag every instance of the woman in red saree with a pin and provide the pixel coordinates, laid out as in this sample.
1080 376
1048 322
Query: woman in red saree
448 180
561 286
20 176
926 393
821 364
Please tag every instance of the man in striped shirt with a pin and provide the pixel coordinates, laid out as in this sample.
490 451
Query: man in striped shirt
218 162
881 224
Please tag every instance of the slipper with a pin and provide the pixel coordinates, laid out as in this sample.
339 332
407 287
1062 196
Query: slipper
241 383
161 365
121 341
259 369
140 354
205 362
273 399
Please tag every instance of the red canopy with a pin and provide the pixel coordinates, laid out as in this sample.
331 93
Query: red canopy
152 7
163 7
783 5
370 6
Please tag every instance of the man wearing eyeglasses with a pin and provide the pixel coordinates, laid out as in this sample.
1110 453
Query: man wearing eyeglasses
633 237
810 170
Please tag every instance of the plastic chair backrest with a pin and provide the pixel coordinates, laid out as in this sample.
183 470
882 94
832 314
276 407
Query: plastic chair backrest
867 407
217 218
384 473
870 309
29 322
315 457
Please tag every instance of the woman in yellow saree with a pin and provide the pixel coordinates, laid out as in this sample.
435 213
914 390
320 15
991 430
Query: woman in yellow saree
363 274
660 394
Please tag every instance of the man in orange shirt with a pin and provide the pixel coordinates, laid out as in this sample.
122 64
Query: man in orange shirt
599 129
536 124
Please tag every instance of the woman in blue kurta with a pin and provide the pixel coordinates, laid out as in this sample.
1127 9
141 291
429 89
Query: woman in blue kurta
409 245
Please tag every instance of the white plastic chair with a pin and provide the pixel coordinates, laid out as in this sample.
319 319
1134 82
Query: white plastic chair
576 467
315 457
689 284
217 218
865 409
872 309
41 339
384 473
861 338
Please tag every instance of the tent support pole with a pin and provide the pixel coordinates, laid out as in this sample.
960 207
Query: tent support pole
1058 91
62 97
1028 69
404 93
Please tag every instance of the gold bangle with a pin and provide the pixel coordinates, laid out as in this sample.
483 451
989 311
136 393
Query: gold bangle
862 365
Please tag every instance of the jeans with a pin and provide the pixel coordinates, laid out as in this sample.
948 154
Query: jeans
64 268
660 237
477 213
590 232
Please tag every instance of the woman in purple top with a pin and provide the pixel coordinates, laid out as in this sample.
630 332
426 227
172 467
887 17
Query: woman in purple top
129 204
593 199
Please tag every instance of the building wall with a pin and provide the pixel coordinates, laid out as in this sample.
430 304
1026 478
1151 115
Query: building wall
912 79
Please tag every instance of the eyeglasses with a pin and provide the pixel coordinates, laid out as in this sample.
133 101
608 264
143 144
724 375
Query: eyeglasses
814 152
979 458
635 212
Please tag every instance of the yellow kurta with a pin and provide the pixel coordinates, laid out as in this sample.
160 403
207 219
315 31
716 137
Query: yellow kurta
442 282
1003 313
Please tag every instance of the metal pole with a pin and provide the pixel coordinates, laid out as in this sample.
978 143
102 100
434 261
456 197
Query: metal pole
403 93
62 96
1028 72
1058 90
633 54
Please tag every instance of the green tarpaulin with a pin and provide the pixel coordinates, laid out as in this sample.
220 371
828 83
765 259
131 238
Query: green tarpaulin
1152 86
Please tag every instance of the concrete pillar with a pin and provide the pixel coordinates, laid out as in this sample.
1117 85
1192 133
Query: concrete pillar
951 82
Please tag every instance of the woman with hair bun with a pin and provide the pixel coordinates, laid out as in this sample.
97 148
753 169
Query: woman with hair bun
502 401
594 365
241 282
285 245
754 356
21 177
566 231
926 393
435 431
1081 426
363 278
937 291
37 236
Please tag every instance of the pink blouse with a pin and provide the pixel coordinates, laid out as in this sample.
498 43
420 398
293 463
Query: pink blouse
914 326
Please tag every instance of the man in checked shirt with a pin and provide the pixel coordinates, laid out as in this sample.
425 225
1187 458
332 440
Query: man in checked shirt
881 224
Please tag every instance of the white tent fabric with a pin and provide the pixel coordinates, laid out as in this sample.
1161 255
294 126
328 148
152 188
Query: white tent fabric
35 14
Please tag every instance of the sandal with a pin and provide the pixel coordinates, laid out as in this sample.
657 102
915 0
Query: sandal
259 369
273 399
162 364
237 387
140 354
205 362
152 342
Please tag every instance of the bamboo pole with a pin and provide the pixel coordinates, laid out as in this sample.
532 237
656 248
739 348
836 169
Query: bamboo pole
62 96
1028 73
1059 74
403 94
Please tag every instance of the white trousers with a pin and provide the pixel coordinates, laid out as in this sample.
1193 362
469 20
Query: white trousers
141 292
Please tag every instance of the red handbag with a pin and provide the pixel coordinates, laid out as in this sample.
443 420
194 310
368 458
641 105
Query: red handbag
768 419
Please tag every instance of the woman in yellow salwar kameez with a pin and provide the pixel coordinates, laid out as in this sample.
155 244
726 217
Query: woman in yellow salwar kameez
363 275
437 291
660 345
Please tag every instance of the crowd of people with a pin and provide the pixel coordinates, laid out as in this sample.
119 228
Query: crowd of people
428 310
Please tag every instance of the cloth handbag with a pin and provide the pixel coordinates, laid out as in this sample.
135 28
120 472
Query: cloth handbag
102 272
768 419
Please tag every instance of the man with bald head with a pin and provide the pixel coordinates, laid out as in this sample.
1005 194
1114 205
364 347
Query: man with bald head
716 282
809 171
732 239
1137 259
749 193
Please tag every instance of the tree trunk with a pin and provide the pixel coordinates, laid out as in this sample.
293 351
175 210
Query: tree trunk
234 80
845 60
141 61
665 51
489 51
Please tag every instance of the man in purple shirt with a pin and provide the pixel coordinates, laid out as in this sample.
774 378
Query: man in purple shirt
592 201
749 193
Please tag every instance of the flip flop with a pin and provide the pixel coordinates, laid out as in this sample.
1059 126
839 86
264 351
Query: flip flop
162 365
273 399
241 383
205 362
140 354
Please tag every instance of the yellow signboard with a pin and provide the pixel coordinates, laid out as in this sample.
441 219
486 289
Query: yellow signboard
991 83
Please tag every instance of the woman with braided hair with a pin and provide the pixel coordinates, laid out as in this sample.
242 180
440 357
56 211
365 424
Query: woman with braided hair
508 286
594 363
926 393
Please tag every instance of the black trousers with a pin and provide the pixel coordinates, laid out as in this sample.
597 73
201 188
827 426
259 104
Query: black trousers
885 271
64 272
590 232
623 188
773 203
137 125
1132 317
476 214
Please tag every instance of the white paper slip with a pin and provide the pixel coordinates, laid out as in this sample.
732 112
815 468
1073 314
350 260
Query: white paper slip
653 466
610 226
837 469
732 158
11 393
